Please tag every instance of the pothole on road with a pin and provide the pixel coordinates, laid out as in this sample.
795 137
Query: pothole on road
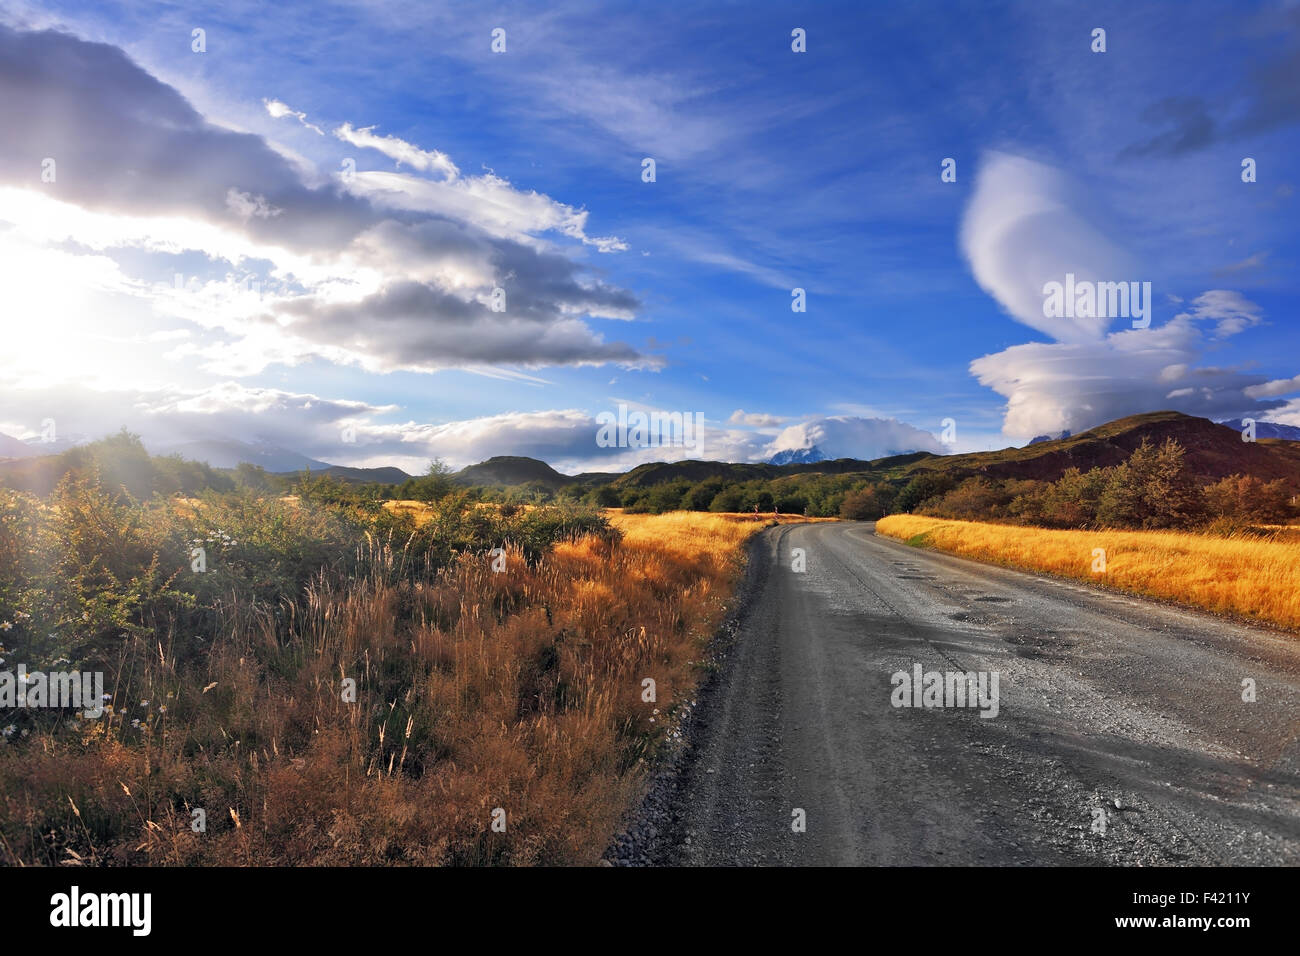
1043 646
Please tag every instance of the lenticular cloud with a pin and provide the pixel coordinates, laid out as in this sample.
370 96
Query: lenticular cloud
1021 231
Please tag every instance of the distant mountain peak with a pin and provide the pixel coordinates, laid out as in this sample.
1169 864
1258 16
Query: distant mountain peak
798 456
1265 429
1042 438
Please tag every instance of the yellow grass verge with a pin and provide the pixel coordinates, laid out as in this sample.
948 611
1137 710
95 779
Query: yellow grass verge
1251 577
693 534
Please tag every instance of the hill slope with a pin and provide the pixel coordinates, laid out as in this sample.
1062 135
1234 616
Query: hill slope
1213 451
510 470
658 472
387 475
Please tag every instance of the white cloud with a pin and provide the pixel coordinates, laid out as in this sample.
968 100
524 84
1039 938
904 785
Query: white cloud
756 419
427 161
315 248
162 416
312 425
566 438
1288 414
1051 387
279 110
1231 311
844 436
1279 386
1021 232
488 201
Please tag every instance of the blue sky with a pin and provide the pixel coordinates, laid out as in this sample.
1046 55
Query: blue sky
775 170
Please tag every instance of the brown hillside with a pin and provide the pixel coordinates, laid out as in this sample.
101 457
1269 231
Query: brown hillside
1213 451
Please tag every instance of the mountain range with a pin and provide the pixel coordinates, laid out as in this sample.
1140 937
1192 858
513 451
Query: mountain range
1265 429
1213 451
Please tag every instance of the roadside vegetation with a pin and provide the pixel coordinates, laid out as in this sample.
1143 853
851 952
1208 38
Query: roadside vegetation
1224 546
1211 483
1254 575
514 696
1155 487
1152 489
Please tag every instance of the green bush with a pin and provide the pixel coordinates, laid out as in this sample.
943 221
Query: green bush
728 500
701 496
921 489
606 496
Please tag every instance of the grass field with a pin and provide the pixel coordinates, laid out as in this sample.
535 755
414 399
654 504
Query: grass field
1254 577
516 697
689 533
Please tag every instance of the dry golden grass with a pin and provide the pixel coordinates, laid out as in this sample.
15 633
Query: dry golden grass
416 509
421 512
1252 577
693 529
689 533
476 690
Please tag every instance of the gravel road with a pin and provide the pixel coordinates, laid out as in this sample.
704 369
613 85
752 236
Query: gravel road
1121 736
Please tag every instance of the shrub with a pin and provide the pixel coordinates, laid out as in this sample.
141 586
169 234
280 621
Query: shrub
606 496
666 497
434 485
1246 499
920 489
701 496
866 504
728 500
1153 489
